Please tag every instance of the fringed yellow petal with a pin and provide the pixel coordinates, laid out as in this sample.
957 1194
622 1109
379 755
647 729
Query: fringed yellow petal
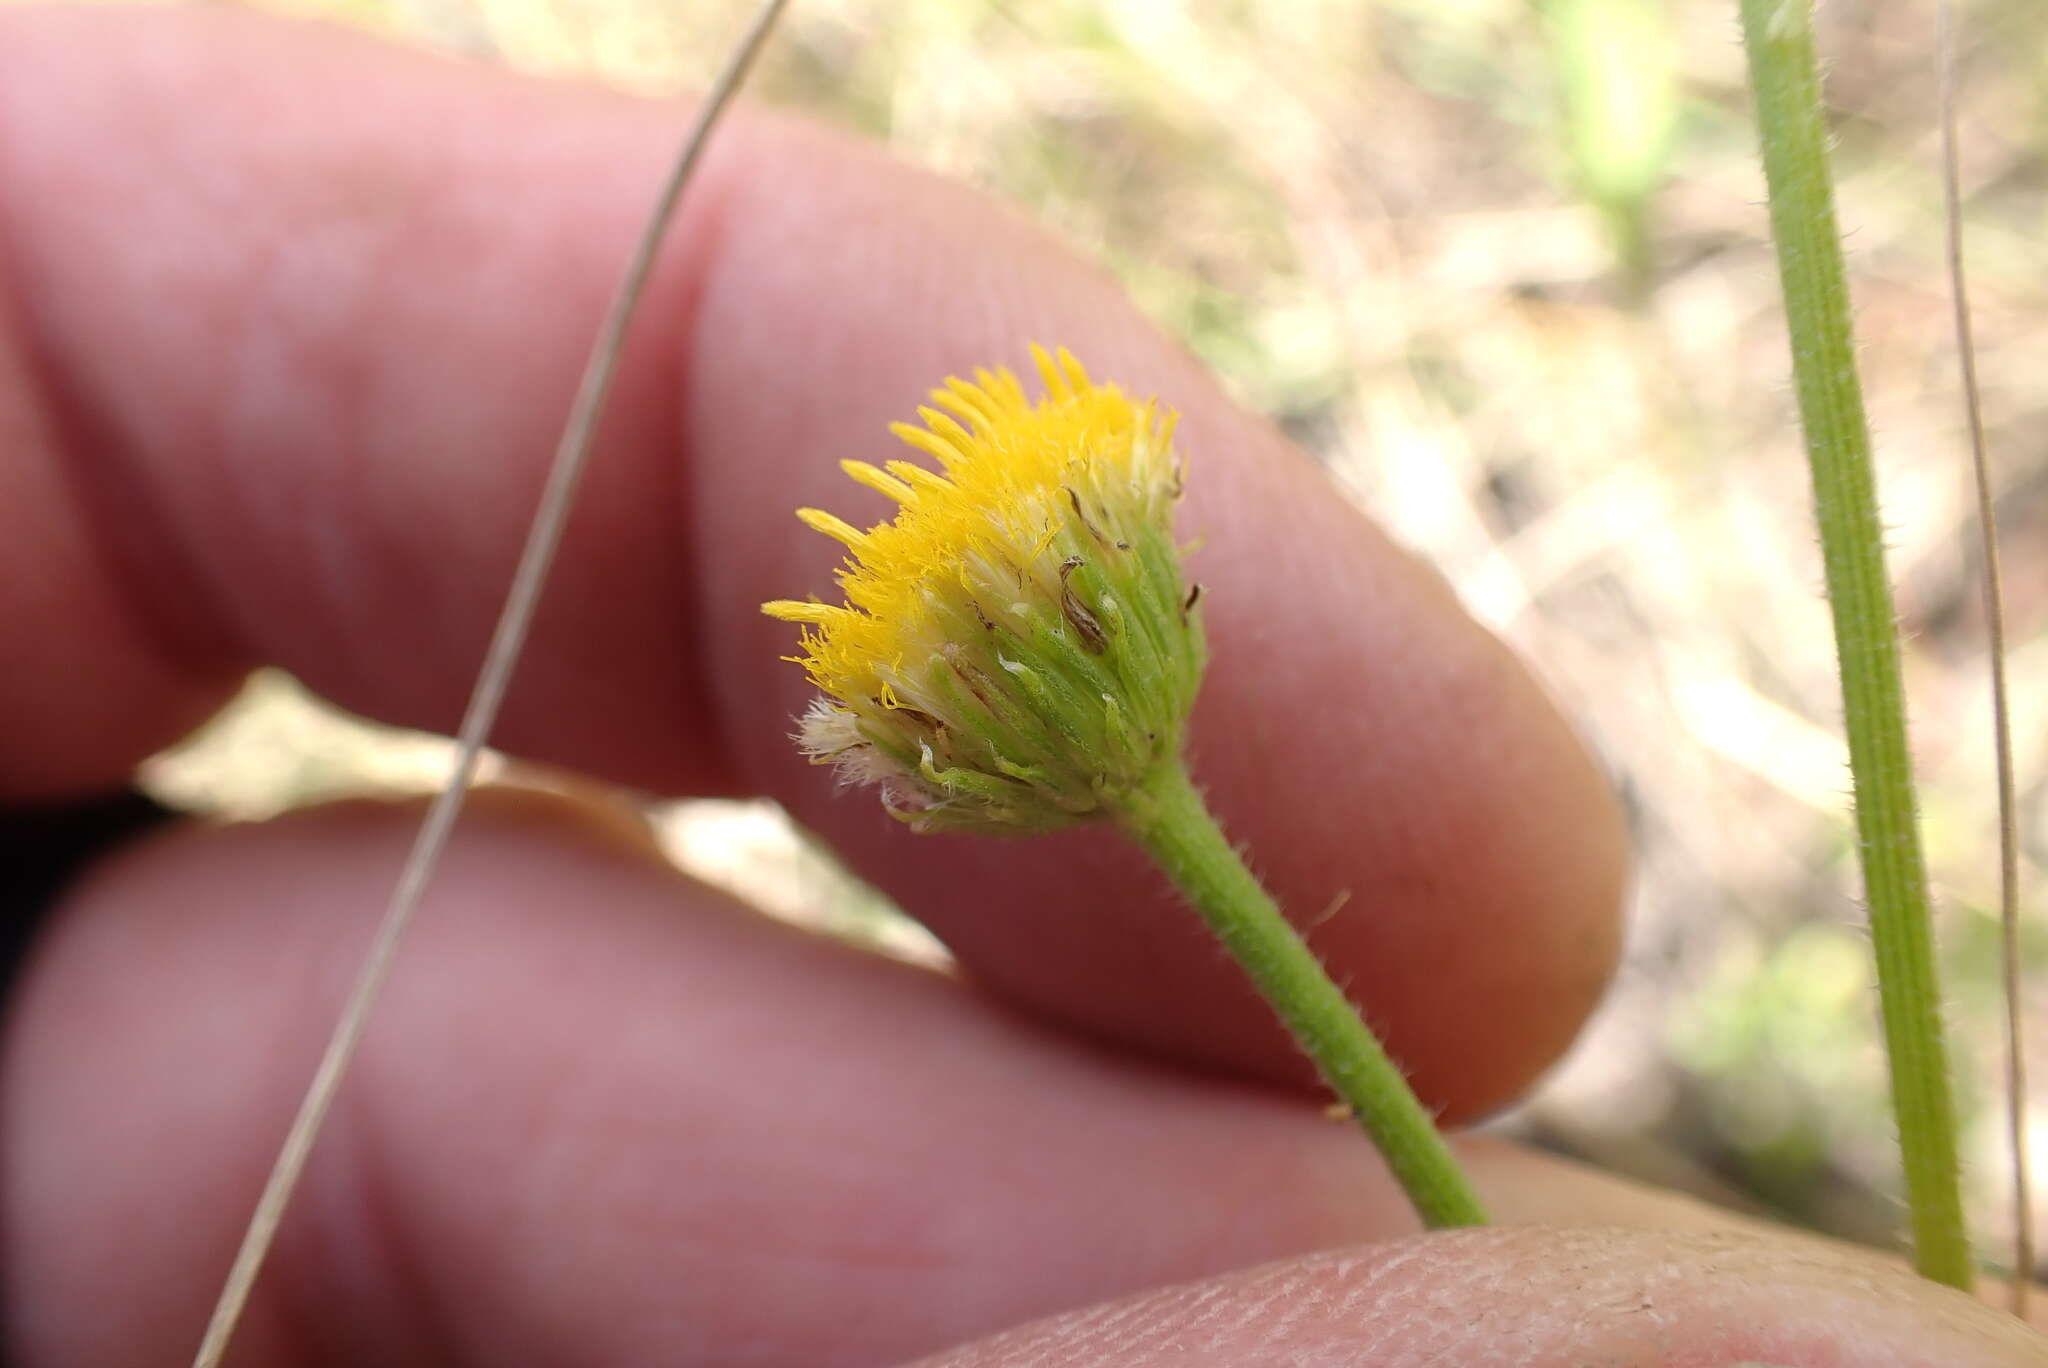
1077 374
819 520
970 402
916 475
862 473
931 443
1054 376
959 440
789 610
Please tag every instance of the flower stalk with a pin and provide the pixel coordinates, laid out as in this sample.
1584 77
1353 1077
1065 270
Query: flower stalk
1169 819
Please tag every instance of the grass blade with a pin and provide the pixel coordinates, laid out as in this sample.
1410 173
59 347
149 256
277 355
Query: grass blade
1778 38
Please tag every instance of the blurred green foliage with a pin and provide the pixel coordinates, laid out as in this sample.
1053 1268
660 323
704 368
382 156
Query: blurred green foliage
1619 95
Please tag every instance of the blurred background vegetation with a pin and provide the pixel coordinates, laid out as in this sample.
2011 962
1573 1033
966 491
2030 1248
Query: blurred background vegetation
1502 265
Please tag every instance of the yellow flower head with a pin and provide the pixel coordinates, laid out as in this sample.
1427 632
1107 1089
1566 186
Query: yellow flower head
1017 650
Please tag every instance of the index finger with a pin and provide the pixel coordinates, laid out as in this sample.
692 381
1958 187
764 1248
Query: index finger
288 382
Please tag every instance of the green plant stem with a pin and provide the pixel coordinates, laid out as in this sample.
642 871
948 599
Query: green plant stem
1170 820
1778 35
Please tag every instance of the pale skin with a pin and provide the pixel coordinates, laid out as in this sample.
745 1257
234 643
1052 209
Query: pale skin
290 322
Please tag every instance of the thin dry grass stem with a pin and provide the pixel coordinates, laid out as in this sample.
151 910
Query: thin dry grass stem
2001 707
507 640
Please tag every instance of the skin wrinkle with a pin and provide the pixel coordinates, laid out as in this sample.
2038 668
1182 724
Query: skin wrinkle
108 528
1297 1309
683 273
351 1278
361 1223
174 600
1108 1327
1228 1323
1200 1316
350 1230
308 292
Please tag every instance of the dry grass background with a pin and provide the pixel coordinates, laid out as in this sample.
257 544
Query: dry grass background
1503 266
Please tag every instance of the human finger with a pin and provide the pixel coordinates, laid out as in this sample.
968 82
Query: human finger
299 418
602 1115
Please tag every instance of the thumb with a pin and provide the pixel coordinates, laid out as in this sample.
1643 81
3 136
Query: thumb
1538 1297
